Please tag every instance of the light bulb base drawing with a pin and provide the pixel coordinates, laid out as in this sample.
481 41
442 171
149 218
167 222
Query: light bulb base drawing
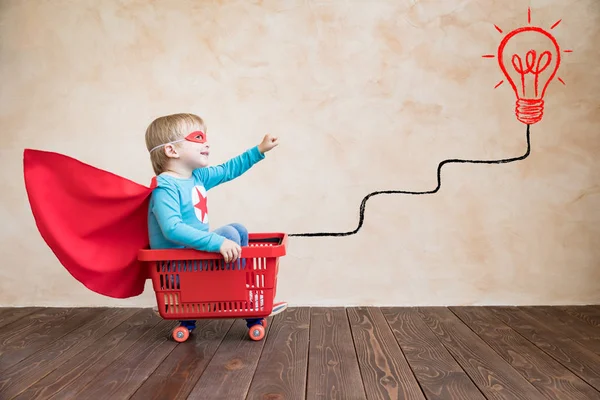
530 111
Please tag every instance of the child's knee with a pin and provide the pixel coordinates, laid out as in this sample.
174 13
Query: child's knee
230 233
240 228
242 231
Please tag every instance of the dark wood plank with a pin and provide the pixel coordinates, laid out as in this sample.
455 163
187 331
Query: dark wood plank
11 314
385 372
20 348
490 372
581 361
569 327
437 371
27 372
125 375
65 381
178 373
588 314
16 330
551 315
229 373
550 377
281 371
333 371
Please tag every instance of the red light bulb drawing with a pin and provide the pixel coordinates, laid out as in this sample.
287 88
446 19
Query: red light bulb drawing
529 77
529 58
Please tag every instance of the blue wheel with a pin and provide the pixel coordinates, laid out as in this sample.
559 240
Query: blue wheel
190 325
256 321
253 321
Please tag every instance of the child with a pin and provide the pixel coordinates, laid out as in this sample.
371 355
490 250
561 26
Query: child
178 215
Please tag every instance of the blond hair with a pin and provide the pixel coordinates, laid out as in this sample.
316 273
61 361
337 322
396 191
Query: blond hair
168 129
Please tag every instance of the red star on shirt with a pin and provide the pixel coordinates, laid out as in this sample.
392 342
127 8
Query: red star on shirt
201 204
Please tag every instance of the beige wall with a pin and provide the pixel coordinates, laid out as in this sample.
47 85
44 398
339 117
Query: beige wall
365 96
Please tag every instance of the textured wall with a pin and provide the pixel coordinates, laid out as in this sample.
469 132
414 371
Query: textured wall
365 96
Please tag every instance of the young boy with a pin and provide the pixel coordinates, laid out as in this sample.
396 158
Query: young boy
178 214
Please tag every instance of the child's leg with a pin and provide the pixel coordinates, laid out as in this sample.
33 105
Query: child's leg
237 233
243 238
230 233
243 232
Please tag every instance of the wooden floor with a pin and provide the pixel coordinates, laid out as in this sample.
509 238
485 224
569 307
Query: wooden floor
319 353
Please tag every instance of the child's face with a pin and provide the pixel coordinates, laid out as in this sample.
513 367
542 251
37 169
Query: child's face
194 154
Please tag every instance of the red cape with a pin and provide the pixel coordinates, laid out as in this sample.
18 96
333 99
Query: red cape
94 221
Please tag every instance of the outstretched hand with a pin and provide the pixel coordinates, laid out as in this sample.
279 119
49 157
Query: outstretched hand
268 143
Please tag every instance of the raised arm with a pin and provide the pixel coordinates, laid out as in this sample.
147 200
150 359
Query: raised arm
231 169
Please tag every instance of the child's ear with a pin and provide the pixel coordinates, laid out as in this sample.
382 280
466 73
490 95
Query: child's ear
170 151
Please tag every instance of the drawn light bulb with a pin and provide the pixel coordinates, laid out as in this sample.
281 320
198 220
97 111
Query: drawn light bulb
529 70
529 58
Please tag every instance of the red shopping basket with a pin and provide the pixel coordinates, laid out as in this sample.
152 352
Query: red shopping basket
191 284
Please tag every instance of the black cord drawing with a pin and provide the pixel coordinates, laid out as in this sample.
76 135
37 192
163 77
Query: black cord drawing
439 185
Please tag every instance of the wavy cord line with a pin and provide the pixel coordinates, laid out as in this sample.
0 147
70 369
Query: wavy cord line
439 185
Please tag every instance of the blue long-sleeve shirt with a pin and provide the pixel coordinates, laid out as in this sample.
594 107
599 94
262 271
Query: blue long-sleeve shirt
177 214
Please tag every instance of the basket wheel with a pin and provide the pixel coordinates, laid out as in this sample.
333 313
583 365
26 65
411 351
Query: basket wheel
181 334
263 322
257 332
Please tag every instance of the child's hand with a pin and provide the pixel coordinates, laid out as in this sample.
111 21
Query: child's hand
230 250
268 143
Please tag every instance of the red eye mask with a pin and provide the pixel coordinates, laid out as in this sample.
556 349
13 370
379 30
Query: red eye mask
196 136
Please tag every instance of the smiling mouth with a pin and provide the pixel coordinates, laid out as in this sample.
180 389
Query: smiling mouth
205 153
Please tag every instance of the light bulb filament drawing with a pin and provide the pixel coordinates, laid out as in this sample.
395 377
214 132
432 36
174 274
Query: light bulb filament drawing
531 67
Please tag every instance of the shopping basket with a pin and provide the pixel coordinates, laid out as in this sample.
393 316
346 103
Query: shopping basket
191 284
